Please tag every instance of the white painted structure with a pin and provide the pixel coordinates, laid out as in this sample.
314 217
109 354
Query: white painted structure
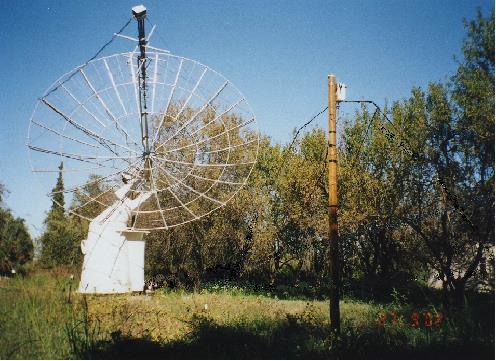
114 256
341 92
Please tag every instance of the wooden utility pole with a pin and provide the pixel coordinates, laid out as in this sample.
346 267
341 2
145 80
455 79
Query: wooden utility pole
333 205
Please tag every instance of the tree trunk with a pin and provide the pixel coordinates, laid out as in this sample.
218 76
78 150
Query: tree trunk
459 292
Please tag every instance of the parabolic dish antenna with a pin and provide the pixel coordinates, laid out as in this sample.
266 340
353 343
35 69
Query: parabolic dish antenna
181 129
174 136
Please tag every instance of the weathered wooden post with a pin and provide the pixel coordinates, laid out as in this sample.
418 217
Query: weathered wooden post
333 205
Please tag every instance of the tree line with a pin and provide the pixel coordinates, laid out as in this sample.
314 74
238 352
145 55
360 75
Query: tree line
416 194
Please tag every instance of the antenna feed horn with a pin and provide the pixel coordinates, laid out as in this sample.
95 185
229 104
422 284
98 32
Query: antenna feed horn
139 11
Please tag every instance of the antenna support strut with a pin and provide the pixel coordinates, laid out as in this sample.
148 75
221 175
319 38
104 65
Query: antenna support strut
139 13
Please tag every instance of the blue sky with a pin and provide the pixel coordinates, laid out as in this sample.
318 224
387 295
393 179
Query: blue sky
278 53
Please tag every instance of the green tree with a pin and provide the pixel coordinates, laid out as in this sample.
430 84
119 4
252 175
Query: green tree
457 224
473 95
16 246
60 240
376 246
436 208
233 242
299 212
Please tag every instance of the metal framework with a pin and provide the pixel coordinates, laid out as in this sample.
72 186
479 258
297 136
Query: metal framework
184 131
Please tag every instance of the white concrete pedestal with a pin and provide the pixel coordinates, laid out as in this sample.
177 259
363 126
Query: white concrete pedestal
114 256
136 259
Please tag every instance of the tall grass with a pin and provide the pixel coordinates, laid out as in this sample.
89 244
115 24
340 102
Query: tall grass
33 315
42 317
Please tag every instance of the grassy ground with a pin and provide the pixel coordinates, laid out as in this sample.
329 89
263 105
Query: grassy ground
41 317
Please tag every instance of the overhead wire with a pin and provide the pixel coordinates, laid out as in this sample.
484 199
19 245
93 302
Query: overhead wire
408 149
293 141
92 58
405 145
298 131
